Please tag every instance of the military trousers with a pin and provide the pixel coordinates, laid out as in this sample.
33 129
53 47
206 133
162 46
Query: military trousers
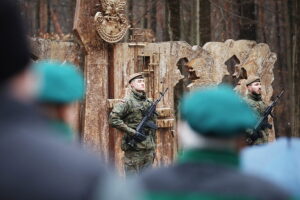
137 161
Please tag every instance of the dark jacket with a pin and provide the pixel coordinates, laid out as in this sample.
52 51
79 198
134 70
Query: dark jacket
36 165
207 174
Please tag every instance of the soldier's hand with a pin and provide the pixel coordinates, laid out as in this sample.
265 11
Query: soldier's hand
139 137
260 135
131 131
255 135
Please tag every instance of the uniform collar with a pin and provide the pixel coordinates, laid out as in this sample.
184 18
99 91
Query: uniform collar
255 97
64 130
138 95
220 157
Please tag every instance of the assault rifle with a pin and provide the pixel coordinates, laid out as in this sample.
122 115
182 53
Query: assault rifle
263 121
140 135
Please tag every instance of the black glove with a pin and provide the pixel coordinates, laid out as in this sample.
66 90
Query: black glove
255 135
139 137
266 125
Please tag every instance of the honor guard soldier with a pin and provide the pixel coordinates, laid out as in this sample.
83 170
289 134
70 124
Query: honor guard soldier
254 99
126 116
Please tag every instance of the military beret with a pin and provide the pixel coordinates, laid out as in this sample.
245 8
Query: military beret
59 83
217 112
135 76
252 79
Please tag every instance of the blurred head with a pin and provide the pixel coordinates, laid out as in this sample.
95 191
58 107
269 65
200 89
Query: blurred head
60 83
137 82
60 86
216 115
253 85
14 50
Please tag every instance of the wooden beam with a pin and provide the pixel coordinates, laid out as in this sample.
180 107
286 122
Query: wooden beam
95 125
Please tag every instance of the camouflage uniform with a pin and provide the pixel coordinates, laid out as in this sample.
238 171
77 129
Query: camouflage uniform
255 101
126 116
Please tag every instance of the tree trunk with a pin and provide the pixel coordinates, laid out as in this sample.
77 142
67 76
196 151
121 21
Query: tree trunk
186 21
138 13
61 15
273 29
225 19
295 62
48 16
161 28
174 19
152 23
204 32
248 20
30 12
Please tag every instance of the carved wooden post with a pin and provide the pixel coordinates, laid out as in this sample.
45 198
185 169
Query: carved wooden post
95 126
90 24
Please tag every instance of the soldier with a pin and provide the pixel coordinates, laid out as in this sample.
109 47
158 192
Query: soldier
126 116
254 99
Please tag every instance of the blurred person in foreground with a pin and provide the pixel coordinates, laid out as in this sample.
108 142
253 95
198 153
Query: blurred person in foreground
35 164
277 161
61 86
212 130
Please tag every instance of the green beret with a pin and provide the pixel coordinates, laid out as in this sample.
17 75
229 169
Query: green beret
252 79
217 112
59 82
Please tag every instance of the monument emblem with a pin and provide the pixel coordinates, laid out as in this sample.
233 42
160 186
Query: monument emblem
112 23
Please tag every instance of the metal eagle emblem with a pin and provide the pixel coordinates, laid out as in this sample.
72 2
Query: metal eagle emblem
112 23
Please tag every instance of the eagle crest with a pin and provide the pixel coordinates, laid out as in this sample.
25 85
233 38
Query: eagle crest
112 23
